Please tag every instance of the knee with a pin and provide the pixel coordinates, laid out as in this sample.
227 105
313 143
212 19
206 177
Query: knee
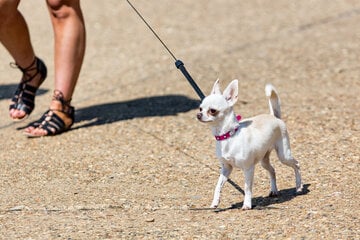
62 8
265 164
7 9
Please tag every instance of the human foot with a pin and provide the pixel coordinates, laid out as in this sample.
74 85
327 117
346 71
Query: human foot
58 119
23 101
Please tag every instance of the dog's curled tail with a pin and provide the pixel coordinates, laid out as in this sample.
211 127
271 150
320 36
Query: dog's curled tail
274 100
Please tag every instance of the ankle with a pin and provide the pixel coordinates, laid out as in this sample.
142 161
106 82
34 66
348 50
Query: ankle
59 103
25 63
32 73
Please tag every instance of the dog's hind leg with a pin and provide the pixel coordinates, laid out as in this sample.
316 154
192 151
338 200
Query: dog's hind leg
226 170
284 153
265 163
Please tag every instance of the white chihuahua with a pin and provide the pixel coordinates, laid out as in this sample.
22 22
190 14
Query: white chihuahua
244 143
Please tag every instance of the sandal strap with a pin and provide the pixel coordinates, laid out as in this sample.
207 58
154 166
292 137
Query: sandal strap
24 95
37 64
51 121
65 104
23 98
38 122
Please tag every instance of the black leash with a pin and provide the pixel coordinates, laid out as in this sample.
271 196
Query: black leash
178 63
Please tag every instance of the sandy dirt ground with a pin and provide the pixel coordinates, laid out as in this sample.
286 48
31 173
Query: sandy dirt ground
138 165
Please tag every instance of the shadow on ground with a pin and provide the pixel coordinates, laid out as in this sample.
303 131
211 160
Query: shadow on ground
7 91
139 108
261 203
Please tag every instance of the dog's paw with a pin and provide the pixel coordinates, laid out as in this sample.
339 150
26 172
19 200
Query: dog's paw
299 190
244 207
274 194
214 206
215 203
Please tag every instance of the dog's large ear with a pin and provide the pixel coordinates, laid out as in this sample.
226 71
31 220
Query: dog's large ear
231 92
216 88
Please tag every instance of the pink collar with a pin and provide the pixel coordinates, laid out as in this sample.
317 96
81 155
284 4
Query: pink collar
229 133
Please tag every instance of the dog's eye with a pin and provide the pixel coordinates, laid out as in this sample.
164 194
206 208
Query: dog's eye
200 109
213 111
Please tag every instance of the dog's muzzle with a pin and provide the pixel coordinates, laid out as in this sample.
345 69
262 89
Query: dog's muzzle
199 115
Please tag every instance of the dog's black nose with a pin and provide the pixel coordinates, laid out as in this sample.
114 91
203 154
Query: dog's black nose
199 115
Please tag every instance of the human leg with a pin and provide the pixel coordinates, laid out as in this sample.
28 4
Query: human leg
15 37
69 32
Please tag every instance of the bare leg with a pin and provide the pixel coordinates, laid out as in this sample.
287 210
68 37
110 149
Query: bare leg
69 32
15 37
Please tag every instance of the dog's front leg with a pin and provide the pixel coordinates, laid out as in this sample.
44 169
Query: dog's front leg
225 173
249 178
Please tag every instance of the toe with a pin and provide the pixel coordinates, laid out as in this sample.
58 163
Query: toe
39 132
35 132
20 114
17 114
29 129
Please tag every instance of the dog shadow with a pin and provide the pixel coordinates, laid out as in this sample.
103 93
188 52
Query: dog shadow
167 105
7 91
262 203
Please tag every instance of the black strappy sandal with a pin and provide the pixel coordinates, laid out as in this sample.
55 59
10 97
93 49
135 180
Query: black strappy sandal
24 96
55 120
